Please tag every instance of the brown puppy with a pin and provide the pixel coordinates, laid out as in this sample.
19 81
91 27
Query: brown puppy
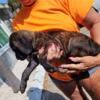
26 44
22 43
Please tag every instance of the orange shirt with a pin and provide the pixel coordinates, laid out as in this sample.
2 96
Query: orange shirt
53 15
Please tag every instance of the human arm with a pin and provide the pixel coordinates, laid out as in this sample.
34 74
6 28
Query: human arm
92 22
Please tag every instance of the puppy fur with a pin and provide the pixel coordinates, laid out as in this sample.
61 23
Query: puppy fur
26 44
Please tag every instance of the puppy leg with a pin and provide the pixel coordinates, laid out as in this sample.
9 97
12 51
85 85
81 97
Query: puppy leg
26 74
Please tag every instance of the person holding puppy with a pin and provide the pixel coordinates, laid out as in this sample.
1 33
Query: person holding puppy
67 15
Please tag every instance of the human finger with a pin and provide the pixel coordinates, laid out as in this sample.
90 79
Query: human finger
76 59
78 67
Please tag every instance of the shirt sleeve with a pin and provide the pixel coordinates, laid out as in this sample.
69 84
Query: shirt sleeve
78 9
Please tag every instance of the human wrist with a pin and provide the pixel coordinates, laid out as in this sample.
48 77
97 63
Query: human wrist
97 60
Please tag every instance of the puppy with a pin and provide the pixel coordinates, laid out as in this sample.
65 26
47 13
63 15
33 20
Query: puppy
26 44
23 44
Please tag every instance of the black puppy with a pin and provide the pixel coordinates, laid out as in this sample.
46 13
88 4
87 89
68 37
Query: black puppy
26 44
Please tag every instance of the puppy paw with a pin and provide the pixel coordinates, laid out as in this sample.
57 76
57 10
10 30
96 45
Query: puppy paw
23 86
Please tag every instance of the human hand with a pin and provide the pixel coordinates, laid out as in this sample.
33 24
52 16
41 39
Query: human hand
84 64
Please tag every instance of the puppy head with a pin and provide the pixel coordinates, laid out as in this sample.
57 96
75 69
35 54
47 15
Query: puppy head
21 43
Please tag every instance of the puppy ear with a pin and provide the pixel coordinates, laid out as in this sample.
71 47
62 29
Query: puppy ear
73 47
